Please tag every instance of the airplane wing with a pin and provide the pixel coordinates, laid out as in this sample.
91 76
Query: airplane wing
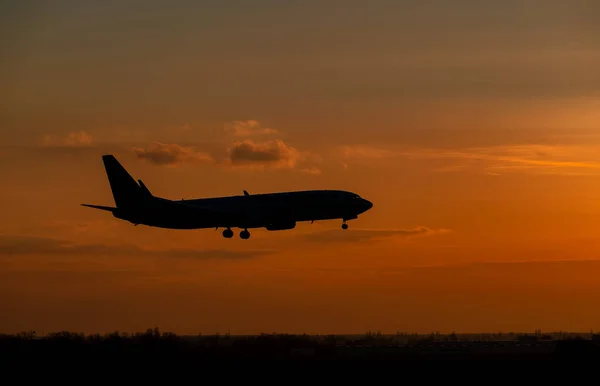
223 216
206 210
203 208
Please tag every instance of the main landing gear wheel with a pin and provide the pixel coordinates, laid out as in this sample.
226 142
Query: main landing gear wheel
245 235
228 233
344 226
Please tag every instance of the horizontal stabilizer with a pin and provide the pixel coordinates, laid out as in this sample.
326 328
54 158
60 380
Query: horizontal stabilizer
101 207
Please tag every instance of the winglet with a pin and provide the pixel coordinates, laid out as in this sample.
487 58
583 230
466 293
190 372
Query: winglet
246 193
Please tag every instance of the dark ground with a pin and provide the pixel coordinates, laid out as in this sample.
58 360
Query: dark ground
154 357
156 346
158 358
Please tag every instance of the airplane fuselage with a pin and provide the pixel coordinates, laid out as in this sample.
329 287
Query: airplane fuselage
273 211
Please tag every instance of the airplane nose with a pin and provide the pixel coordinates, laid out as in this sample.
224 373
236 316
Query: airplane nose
368 204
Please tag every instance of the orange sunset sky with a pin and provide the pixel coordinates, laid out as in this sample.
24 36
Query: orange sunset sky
472 125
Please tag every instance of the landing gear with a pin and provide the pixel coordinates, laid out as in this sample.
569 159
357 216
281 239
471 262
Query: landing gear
228 233
344 225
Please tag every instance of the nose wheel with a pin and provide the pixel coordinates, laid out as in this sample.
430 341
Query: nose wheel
344 225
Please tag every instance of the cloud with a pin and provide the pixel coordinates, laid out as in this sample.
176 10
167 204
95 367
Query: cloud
243 153
266 155
263 152
247 128
312 170
163 154
533 158
363 235
73 139
15 245
524 267
526 158
273 154
74 228
366 152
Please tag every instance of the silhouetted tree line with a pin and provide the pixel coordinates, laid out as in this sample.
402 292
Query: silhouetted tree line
165 345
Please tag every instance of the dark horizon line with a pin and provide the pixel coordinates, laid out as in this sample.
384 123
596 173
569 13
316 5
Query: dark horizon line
156 330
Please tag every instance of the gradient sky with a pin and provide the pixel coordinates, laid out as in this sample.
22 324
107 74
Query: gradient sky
472 125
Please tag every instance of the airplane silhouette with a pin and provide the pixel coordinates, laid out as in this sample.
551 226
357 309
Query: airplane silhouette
273 211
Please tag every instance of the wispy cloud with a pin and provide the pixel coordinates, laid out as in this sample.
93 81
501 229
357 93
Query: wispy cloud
164 154
72 139
367 152
498 267
311 170
364 235
533 158
247 128
72 228
16 245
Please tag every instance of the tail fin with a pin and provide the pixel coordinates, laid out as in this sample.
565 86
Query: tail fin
126 192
